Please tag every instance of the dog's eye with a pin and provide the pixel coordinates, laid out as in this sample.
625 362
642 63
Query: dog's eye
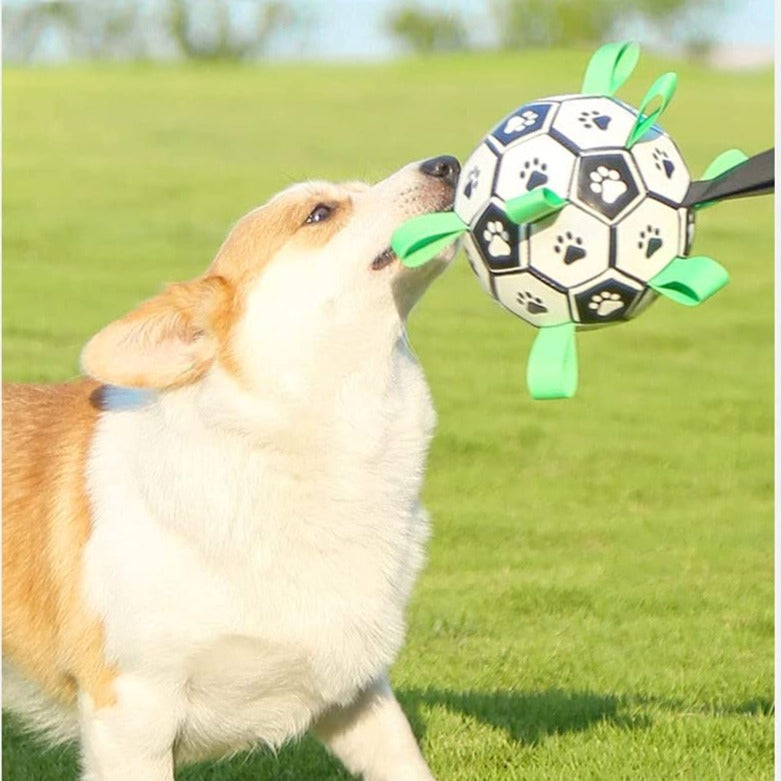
319 213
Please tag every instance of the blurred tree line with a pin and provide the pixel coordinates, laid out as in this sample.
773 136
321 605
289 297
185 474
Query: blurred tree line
521 24
141 29
231 30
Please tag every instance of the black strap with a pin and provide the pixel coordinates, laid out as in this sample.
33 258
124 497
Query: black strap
755 176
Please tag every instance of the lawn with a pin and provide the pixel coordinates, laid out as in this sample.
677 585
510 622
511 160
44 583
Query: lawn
598 602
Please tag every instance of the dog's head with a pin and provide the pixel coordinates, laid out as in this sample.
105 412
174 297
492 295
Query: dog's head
295 277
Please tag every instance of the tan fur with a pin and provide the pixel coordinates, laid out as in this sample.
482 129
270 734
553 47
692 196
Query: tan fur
167 341
47 429
171 340
257 236
47 632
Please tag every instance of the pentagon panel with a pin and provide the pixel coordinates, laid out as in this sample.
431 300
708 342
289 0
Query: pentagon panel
527 120
498 239
607 184
605 300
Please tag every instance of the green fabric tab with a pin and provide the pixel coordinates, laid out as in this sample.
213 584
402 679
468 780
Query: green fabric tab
690 281
552 370
534 205
663 90
609 67
421 256
420 239
724 162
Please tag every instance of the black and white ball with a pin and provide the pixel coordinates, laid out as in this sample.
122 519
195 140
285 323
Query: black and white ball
590 262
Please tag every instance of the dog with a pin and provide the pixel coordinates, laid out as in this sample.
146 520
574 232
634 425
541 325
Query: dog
209 541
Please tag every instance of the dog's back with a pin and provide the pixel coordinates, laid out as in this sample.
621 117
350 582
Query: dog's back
47 635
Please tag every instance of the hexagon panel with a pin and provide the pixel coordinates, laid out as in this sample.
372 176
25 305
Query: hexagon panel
476 262
647 297
593 122
524 121
648 239
535 163
498 239
608 184
688 225
531 299
661 166
475 183
605 301
562 98
570 247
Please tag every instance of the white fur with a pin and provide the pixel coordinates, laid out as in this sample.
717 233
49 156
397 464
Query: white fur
288 567
255 543
37 709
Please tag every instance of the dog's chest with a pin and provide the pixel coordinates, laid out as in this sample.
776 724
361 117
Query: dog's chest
295 563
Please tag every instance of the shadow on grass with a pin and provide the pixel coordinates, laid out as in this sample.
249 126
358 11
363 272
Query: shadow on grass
526 717
759 706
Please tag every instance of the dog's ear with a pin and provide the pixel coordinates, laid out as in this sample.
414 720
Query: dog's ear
168 341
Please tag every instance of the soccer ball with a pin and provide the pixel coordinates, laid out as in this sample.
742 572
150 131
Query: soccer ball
577 210
590 262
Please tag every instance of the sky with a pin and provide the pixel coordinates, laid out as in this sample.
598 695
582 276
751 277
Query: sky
356 29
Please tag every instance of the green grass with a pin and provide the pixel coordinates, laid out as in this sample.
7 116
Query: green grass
598 602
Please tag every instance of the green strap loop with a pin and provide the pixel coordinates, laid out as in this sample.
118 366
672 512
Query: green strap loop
532 206
427 253
663 89
420 239
552 370
609 67
690 281
722 163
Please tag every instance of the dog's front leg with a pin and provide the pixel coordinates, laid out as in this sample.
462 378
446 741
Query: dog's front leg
130 738
372 737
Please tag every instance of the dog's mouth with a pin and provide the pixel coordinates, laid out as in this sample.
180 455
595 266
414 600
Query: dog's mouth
387 256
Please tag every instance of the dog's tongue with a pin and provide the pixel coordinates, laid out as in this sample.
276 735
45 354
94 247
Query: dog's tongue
420 239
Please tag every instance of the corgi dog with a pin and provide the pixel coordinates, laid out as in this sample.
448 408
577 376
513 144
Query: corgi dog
210 540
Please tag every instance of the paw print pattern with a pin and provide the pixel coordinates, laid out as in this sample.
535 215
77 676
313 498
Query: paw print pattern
650 240
534 304
607 184
473 177
662 162
605 303
520 122
525 121
574 247
593 118
497 239
534 173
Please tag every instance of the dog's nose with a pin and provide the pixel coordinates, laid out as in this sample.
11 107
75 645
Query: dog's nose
443 167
